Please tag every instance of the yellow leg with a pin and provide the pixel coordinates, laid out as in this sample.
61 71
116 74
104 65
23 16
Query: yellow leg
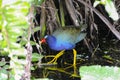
75 55
56 57
74 62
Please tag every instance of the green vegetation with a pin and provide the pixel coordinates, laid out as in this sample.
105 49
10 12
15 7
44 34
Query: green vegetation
18 24
98 72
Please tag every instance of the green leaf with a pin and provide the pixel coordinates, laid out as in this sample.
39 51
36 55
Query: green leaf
3 44
14 45
37 28
108 57
109 7
2 63
0 3
3 74
99 73
32 43
6 67
36 57
18 52
38 2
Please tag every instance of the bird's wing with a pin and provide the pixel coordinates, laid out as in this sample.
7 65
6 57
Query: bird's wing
67 35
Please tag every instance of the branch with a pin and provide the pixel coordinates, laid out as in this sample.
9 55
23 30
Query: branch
110 26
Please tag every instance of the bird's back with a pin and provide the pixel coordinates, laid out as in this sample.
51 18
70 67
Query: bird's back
69 34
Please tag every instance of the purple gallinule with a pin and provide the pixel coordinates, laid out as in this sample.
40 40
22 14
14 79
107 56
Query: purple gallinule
65 38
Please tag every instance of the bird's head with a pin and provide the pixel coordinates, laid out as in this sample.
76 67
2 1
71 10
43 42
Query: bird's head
50 40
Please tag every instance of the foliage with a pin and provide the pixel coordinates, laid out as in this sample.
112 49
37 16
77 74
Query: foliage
109 7
13 25
99 73
14 30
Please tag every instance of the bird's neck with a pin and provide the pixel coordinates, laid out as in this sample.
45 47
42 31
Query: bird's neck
51 40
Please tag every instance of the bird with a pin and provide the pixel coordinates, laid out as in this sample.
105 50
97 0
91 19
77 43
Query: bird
65 38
